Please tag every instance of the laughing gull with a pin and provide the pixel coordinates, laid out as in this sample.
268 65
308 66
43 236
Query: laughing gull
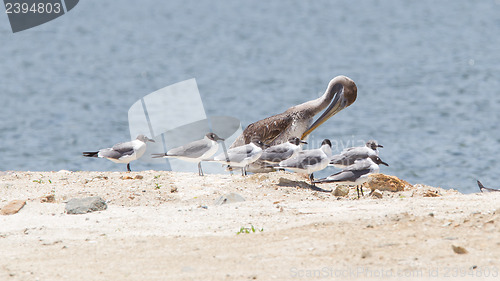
356 173
486 189
195 151
309 161
241 156
280 152
124 152
349 155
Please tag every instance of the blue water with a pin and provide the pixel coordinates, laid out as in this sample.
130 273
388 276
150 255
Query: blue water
428 77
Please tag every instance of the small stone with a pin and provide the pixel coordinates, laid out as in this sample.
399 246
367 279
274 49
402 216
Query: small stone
366 254
459 250
376 193
341 190
12 207
173 189
138 177
126 178
48 199
229 198
85 205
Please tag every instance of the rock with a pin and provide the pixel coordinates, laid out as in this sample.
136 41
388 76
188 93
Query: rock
229 198
376 193
459 250
366 254
12 207
138 177
384 182
341 190
85 205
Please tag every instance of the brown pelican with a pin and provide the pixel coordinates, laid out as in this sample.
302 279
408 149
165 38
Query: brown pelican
297 121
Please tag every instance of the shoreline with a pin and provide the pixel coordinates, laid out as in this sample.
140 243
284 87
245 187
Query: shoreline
166 225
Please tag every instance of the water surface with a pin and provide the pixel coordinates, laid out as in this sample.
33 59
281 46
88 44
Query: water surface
427 74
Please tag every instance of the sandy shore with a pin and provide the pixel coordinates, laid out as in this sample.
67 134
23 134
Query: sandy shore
166 226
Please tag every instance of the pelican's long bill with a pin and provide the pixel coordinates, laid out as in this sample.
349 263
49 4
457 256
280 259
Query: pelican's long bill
338 103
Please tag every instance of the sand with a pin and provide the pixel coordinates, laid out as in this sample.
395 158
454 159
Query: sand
166 226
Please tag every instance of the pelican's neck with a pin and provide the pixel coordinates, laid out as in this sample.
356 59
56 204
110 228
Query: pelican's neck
319 104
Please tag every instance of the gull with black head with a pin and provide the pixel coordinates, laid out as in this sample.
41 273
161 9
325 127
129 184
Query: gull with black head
356 173
351 154
124 152
309 161
241 156
280 152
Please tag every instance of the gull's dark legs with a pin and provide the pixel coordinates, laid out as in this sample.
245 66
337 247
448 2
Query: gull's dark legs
200 171
128 168
358 188
311 178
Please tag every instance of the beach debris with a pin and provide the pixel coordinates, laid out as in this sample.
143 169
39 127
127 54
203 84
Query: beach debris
459 250
386 183
173 189
376 193
431 193
50 198
341 191
12 207
229 198
137 177
85 205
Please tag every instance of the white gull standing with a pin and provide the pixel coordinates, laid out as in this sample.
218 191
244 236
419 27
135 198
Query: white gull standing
195 151
241 156
356 173
124 152
309 161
